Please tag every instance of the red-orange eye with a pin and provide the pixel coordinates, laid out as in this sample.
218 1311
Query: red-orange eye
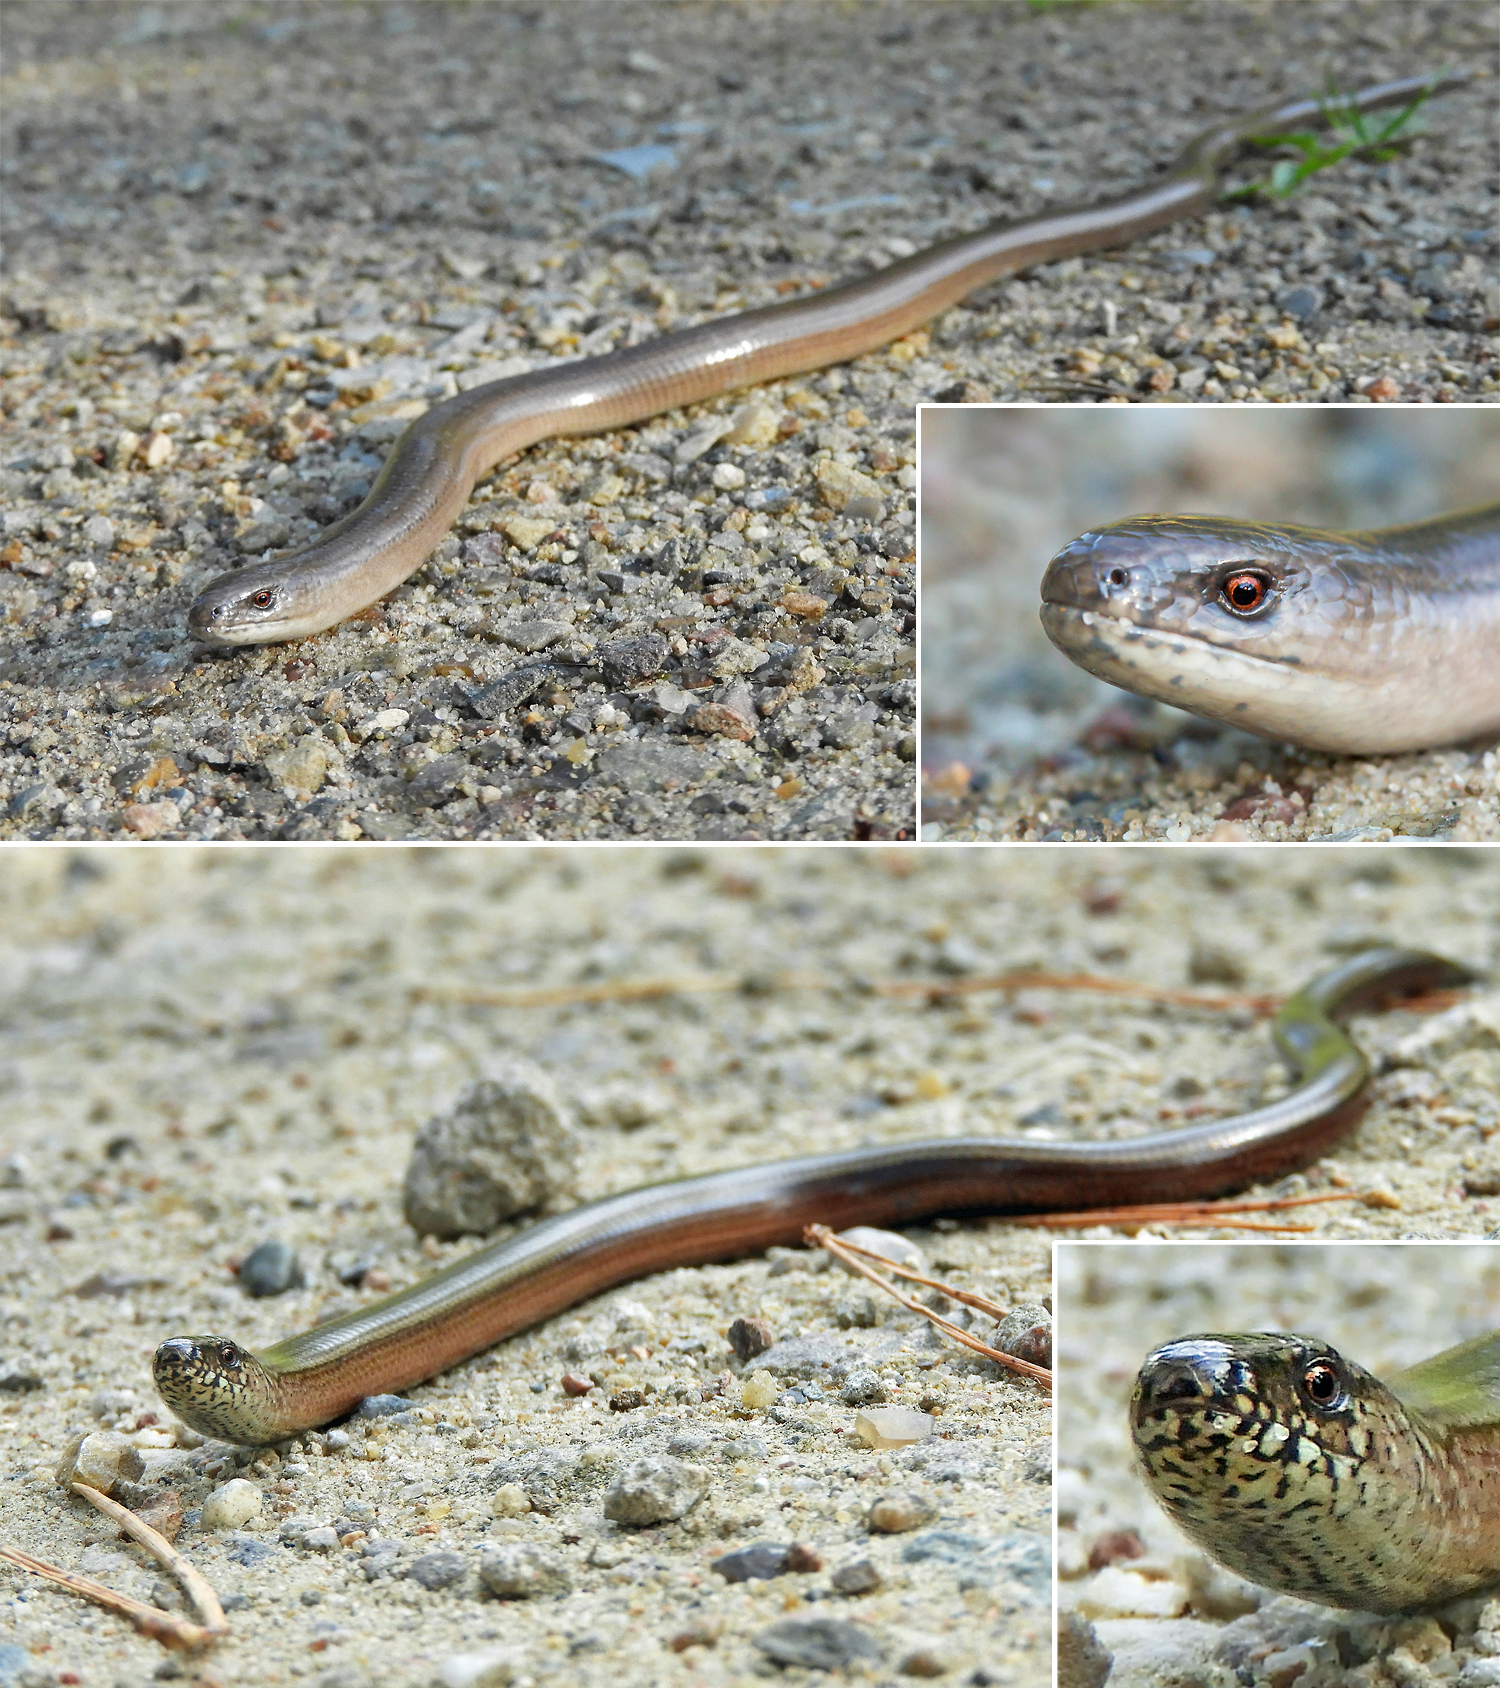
1321 1382
1243 592
263 599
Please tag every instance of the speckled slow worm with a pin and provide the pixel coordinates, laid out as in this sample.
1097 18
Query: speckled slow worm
1295 1467
222 1389
437 462
1376 641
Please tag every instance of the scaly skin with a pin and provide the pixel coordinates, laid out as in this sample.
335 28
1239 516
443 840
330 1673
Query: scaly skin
1301 1471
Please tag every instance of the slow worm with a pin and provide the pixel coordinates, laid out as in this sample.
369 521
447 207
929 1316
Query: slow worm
1375 641
436 463
222 1389
1298 1469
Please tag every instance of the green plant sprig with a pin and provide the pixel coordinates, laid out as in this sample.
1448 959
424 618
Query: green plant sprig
1350 132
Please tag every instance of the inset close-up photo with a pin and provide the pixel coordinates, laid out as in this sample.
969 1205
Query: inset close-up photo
1277 1462
303 312
1262 624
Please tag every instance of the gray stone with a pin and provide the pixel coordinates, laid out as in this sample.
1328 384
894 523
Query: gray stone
859 1578
862 1388
271 1268
521 1570
630 660
437 1570
651 1491
506 1147
759 1562
651 765
817 1643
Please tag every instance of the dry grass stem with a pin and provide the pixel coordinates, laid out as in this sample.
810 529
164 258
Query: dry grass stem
820 1236
198 1588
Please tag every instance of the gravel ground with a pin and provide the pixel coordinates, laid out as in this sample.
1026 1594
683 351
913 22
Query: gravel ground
1019 743
204 1049
1169 1613
246 247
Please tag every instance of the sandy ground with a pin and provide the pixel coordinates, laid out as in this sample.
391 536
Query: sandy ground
246 247
202 1049
1168 1613
1019 743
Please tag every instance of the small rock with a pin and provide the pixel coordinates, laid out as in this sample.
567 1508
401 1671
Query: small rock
271 1268
527 532
101 1461
383 1406
385 721
839 483
892 1514
926 1661
164 1514
1113 1546
1083 1661
1025 1333
759 1390
437 1570
1215 964
1300 302
893 1427
573 1384
651 1491
759 1562
495 1667
627 1400
302 765
521 1570
802 1556
510 1500
506 1147
232 1506
698 1632
150 820
817 1643
630 660
324 1539
862 1388
859 1578
749 1337
17 1380
887 1244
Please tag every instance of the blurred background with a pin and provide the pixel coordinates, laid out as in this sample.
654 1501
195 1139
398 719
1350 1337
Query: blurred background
1002 490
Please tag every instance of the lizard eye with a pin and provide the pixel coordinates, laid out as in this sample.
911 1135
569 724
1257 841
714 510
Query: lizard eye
1321 1383
1244 591
263 599
229 1356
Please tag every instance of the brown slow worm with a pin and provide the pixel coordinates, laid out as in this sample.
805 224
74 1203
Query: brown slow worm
222 1389
435 465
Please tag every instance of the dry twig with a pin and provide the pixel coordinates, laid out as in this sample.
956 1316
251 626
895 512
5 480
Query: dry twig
1193 1214
199 1590
820 1236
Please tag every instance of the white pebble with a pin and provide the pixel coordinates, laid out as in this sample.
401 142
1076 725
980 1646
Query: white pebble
892 1427
728 477
1118 1593
496 1667
231 1507
510 1500
100 618
387 721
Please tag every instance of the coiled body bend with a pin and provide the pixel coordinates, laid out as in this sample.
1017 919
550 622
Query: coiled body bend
434 466
1375 641
224 1390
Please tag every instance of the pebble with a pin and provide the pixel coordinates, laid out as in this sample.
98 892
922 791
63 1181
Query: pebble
270 1268
573 1384
818 1643
651 1491
759 1390
507 1146
1117 1593
927 1661
1083 1661
521 1570
437 1570
893 1427
16 1380
1025 1333
889 1245
894 1513
150 820
510 1500
324 1539
749 1337
100 1461
495 1667
232 1506
383 1406
863 1388
163 1514
861 1577
761 1561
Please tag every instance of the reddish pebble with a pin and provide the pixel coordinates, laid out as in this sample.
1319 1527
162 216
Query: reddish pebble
749 1337
1113 1546
802 1556
375 1279
575 1385
1383 390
